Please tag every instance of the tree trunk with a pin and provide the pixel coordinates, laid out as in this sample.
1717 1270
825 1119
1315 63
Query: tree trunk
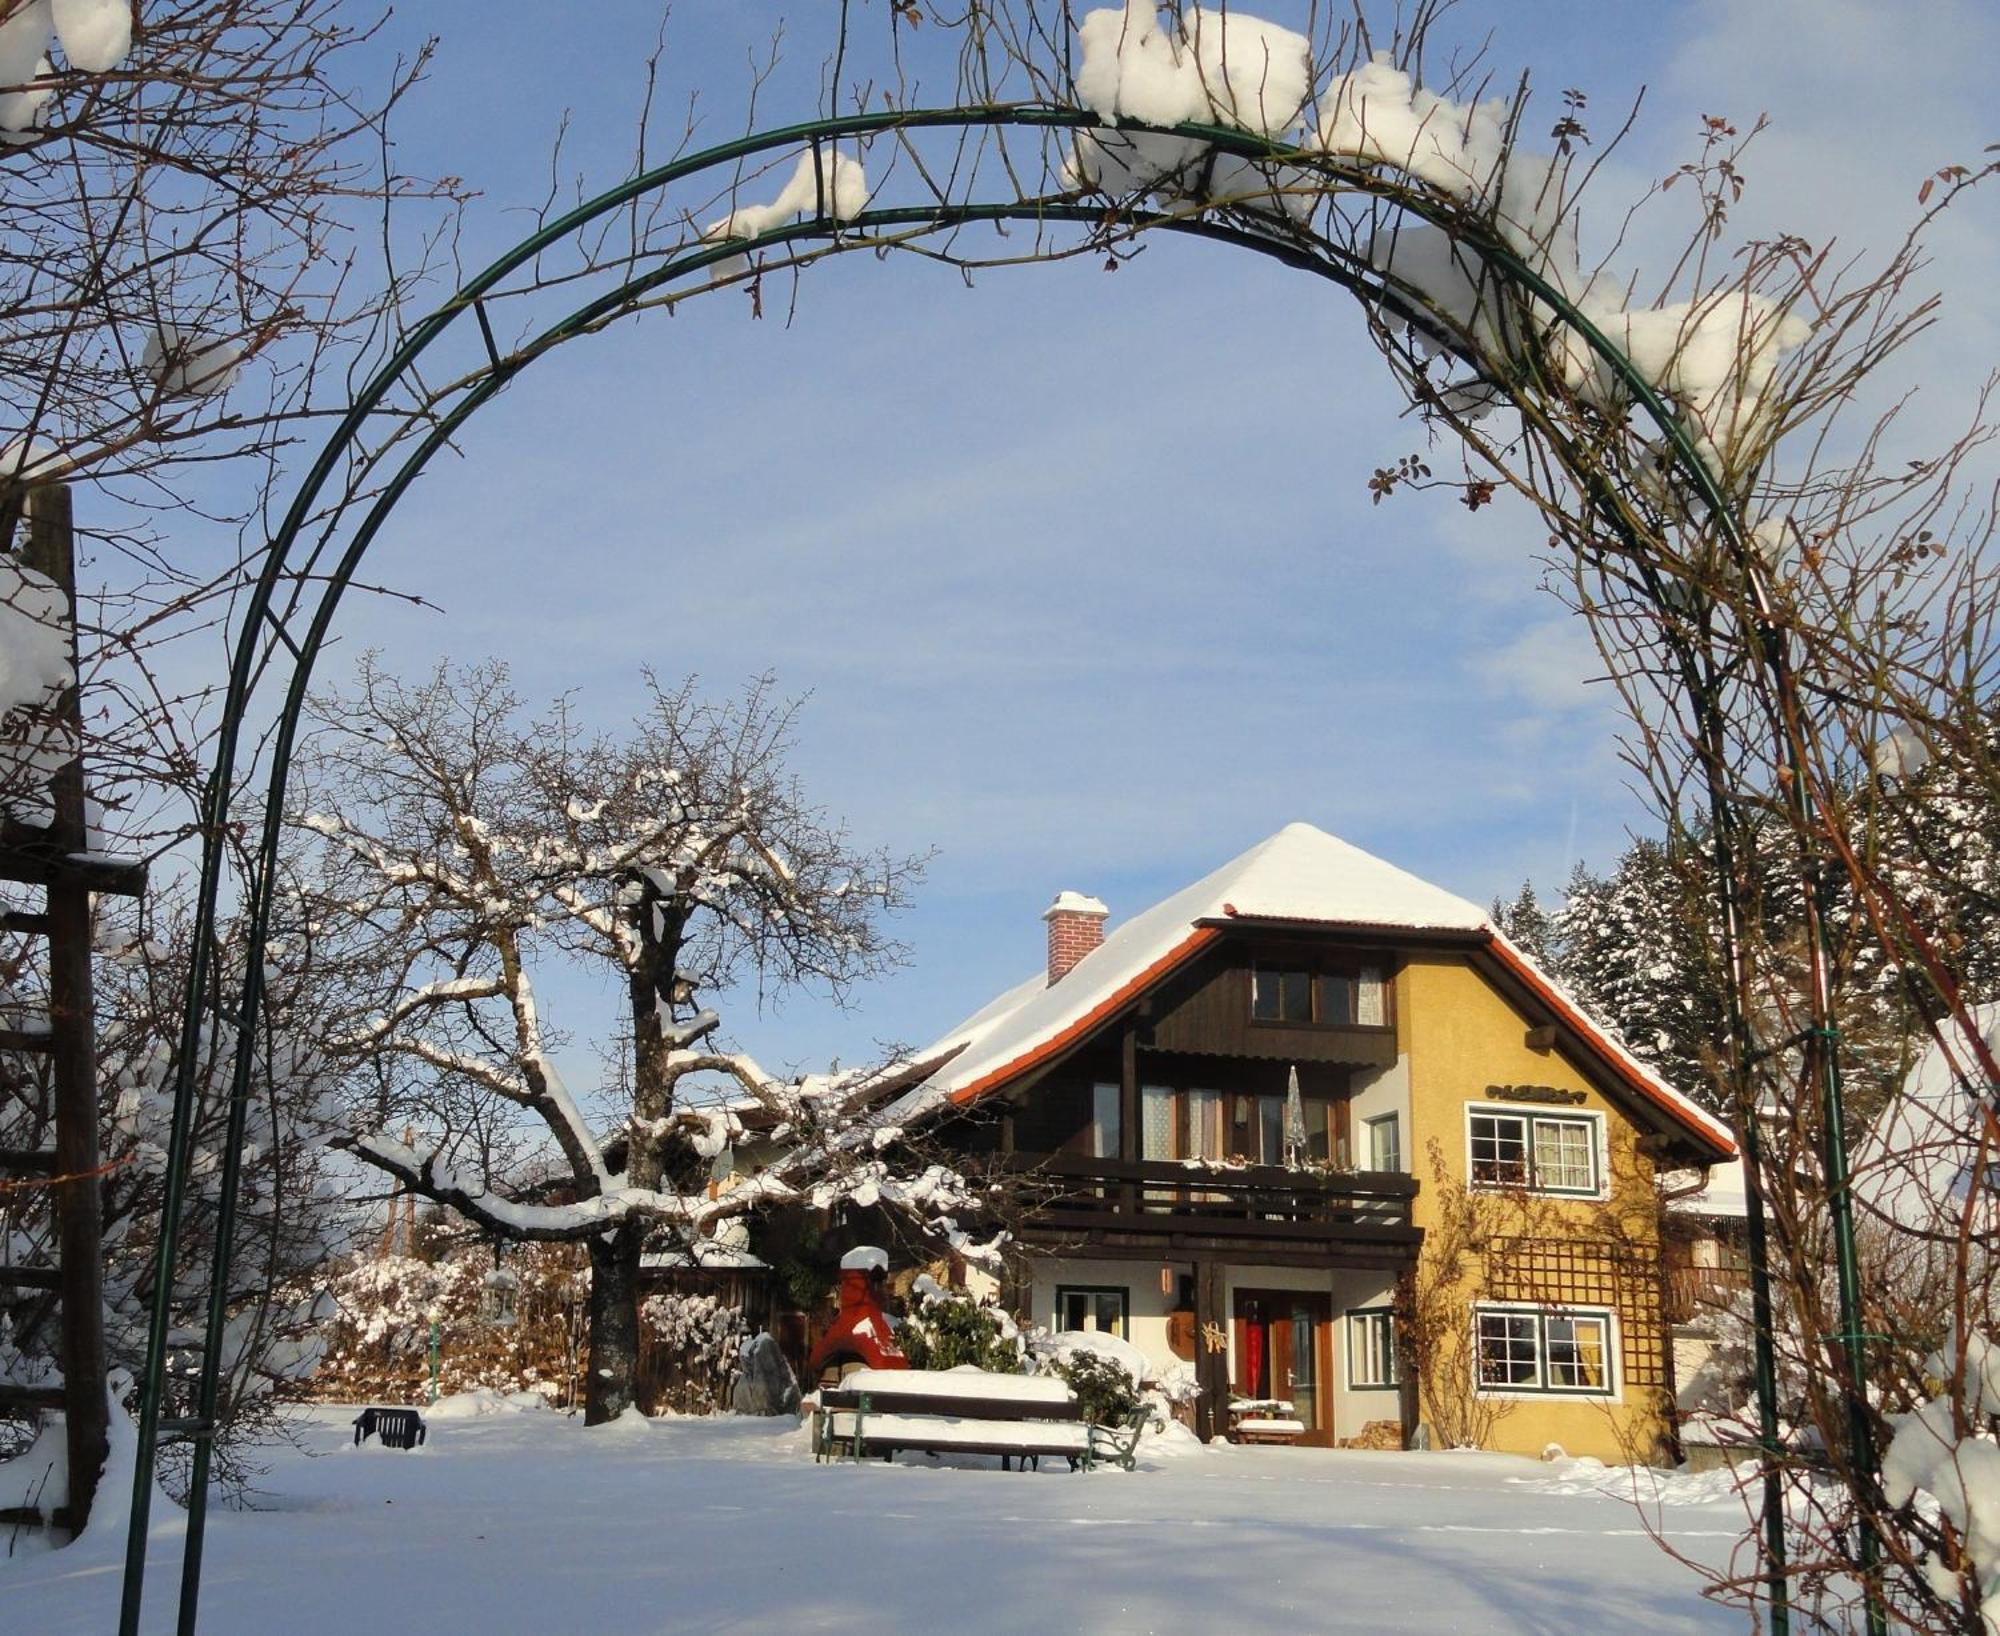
611 1384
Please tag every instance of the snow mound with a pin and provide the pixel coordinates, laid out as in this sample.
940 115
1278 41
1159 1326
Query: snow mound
1215 67
1643 1485
34 668
1166 1438
483 1401
96 35
632 1423
24 61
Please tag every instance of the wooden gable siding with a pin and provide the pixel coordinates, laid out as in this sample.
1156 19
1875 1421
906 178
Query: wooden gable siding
1205 1010
1051 1113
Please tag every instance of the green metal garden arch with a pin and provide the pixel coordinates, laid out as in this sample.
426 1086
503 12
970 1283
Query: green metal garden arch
270 638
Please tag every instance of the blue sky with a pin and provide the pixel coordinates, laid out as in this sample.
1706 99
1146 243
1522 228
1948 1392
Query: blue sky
1079 570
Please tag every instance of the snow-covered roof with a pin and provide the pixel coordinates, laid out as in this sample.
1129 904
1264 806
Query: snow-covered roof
1721 1194
1917 1160
1299 876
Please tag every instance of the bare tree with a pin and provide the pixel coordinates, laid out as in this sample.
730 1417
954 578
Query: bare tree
197 254
466 852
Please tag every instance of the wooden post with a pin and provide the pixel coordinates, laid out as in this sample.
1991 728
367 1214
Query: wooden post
73 1055
1211 1352
1128 1110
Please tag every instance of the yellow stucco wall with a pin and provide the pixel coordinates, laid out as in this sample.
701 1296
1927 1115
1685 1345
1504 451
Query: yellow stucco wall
1461 1036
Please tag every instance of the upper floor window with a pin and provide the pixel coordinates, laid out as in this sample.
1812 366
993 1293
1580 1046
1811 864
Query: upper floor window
1294 994
1385 1142
1104 1121
1207 1124
1542 1152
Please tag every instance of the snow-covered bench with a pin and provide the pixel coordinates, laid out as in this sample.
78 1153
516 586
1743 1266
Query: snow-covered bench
964 1411
1264 1420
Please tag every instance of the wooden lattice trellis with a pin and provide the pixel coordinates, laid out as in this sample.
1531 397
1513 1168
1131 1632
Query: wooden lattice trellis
1590 1273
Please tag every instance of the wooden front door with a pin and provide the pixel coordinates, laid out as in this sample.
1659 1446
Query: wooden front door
1284 1350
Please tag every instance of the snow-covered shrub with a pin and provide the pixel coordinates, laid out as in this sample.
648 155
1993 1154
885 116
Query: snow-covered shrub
1104 1389
1944 1458
691 1349
949 1329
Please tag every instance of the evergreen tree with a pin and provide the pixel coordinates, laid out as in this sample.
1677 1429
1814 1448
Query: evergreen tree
1632 949
1528 926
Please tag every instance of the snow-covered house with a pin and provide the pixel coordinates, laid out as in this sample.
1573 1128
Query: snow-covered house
1252 1113
1707 1263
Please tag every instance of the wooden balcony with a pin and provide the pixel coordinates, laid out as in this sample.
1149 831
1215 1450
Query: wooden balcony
1153 1208
1698 1293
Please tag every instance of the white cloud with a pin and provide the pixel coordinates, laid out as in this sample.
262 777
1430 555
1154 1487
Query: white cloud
1547 665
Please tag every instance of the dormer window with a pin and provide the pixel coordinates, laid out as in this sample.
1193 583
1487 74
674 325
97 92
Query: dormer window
1281 996
1337 997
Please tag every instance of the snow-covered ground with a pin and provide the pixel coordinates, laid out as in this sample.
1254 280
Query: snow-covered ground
527 1522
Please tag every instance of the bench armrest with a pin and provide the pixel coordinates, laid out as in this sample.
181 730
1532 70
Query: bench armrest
1121 1442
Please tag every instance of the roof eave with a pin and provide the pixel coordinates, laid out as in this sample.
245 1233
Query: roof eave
1710 1141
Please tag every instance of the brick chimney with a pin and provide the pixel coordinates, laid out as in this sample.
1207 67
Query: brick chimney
1076 926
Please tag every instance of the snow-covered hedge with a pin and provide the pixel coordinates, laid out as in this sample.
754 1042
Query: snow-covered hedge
378 1343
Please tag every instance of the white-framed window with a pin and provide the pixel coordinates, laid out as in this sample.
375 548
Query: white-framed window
1385 1142
1541 1152
1097 1307
1371 1348
1559 1351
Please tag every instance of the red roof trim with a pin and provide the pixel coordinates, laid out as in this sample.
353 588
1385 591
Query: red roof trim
1681 1112
1200 939
1685 1114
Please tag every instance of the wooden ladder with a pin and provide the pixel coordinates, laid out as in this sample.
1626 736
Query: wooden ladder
58 858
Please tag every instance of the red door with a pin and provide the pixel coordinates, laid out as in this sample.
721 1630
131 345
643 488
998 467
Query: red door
1284 1352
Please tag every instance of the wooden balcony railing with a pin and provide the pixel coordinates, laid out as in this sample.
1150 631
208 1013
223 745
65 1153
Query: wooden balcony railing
1695 1291
1079 1195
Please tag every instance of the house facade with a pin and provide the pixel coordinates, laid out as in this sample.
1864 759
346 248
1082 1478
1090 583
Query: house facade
1328 1149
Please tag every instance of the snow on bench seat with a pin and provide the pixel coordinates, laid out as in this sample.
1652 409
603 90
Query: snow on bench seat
957 1383
942 1433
